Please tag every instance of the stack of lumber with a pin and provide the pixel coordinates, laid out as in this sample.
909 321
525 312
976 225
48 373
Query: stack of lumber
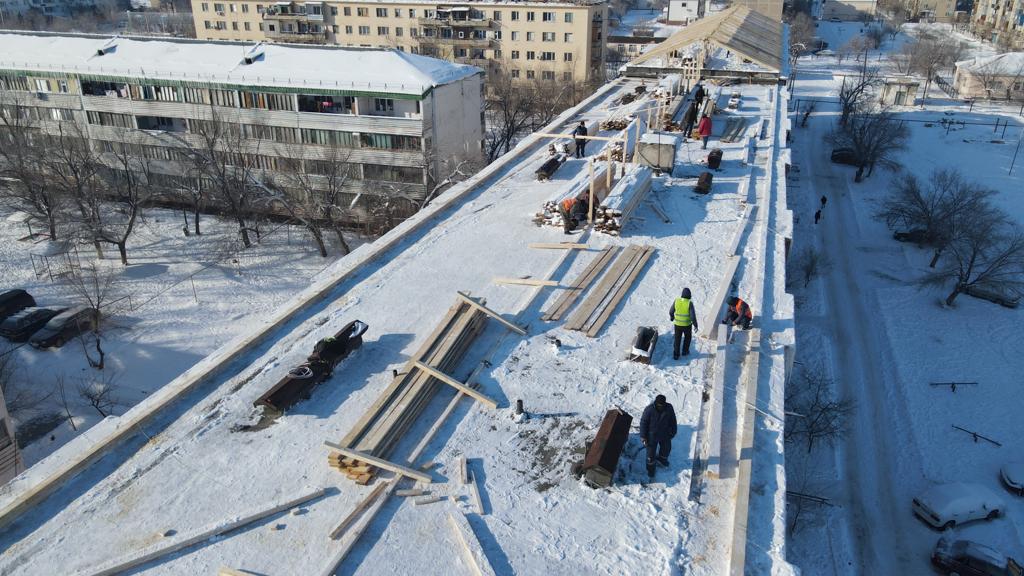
580 284
623 200
390 417
549 215
619 123
601 302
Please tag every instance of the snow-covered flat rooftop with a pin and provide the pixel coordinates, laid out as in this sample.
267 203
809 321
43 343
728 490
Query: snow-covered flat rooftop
195 467
277 65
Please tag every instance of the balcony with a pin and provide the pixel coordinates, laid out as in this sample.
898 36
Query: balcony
455 23
460 42
291 12
301 36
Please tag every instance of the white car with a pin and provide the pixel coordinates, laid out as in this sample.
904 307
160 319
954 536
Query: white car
1012 475
947 505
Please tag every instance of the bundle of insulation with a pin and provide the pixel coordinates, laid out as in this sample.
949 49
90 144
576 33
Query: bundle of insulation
622 201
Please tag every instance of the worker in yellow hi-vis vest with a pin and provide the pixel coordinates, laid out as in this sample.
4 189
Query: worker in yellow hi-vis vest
684 318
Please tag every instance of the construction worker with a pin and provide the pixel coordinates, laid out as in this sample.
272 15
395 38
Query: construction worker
704 128
657 428
581 143
684 319
689 119
738 314
574 211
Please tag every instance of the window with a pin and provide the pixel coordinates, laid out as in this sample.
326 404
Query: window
61 114
547 56
315 9
364 12
382 12
497 54
515 15
259 9
245 8
567 76
515 73
515 35
460 52
398 12
334 29
382 31
218 7
383 105
111 119
261 26
398 31
497 34
328 137
568 37
412 12
414 32
220 25
62 86
531 16
206 6
531 55
347 11
547 36
364 30
393 173
547 75
234 25
496 15
515 54
247 26
530 75
334 11
207 25
567 57
232 7
568 17
529 36
548 16
428 14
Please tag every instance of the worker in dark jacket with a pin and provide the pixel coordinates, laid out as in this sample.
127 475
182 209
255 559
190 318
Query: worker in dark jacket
657 428
689 119
739 313
698 95
684 319
581 143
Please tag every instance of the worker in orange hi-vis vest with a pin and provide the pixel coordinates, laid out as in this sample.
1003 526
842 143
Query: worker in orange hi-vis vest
739 313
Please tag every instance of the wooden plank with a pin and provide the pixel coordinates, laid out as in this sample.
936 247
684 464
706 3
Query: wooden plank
474 489
558 245
621 292
225 571
715 306
575 137
428 500
437 426
380 462
525 281
580 284
463 470
354 536
357 511
427 466
457 385
517 329
158 551
470 545
600 292
413 492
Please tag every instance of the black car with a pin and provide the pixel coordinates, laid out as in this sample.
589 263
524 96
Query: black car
13 301
845 156
24 323
967 558
63 327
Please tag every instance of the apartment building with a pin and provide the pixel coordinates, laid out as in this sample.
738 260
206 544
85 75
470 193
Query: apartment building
559 41
396 119
1000 22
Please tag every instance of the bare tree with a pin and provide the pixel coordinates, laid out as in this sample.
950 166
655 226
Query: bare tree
817 414
509 110
96 286
100 393
875 139
874 35
72 167
856 92
129 182
63 397
22 179
942 209
810 264
929 55
21 397
987 255
801 29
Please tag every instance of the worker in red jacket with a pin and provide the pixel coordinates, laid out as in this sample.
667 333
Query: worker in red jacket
739 313
704 129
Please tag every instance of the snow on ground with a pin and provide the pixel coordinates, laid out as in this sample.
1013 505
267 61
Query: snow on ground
198 470
883 341
158 326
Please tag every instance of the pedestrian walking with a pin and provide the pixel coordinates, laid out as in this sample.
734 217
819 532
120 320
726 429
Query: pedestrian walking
581 143
698 94
704 129
817 216
823 200
657 428
684 319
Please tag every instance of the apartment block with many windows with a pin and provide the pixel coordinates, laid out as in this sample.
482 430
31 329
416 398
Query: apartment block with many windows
396 118
999 21
558 41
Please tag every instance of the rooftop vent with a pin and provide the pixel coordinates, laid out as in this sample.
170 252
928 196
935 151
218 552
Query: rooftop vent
254 54
107 48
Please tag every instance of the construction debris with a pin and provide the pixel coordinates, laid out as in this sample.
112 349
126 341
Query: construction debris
428 500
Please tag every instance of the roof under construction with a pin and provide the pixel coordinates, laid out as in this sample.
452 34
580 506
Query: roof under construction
739 29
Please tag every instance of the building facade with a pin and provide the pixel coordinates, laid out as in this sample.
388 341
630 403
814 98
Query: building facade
559 41
393 120
1000 22
998 77
684 11
849 10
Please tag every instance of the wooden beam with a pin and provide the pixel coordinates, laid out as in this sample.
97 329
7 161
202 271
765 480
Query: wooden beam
474 489
332 565
355 513
558 245
470 545
225 571
428 500
517 329
412 492
153 553
456 384
525 281
590 179
463 470
575 137
379 462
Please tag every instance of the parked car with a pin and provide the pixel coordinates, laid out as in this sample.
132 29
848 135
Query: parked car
948 505
24 323
844 156
966 558
12 301
63 327
1012 475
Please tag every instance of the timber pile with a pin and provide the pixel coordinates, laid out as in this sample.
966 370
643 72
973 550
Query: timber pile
549 215
623 200
599 305
580 284
615 124
389 418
